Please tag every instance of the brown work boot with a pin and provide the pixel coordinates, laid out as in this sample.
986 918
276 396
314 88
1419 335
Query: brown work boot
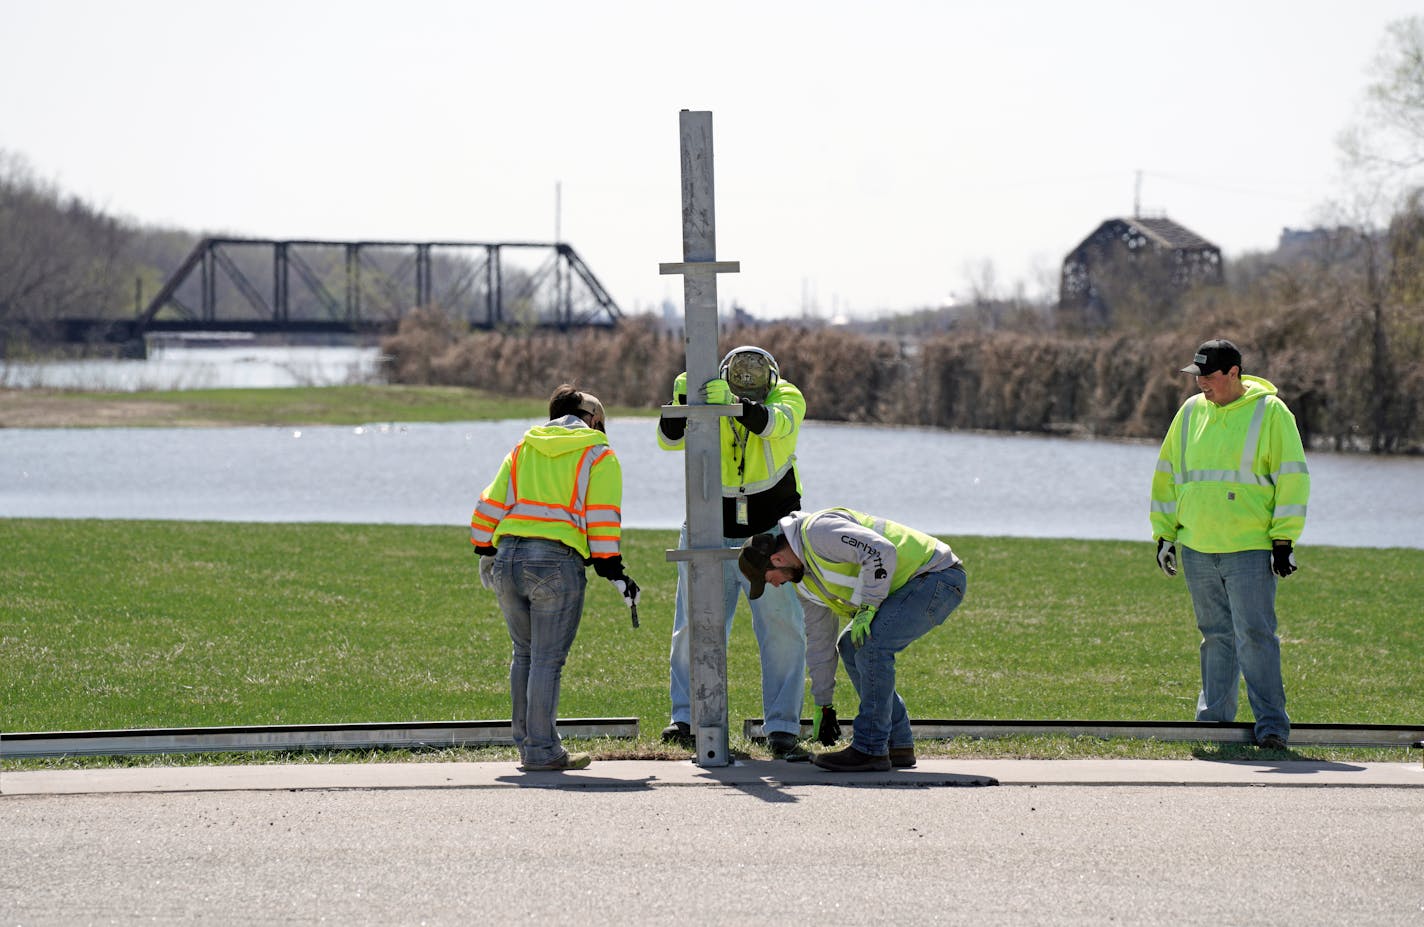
851 760
567 761
902 757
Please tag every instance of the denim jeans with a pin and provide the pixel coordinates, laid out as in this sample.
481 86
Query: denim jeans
540 585
781 637
911 612
1234 597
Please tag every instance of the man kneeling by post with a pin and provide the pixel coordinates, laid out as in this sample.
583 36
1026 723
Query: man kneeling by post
893 585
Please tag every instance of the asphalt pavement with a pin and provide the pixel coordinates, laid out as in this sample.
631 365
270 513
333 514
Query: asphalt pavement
759 842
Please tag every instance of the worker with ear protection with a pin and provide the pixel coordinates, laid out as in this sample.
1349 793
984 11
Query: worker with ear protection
760 486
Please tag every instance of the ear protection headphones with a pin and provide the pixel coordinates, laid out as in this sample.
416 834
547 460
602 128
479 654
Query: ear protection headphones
751 349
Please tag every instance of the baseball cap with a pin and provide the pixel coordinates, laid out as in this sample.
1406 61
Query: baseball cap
1213 356
755 561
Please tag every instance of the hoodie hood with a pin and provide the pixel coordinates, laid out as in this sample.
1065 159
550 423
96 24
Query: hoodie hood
1256 388
567 435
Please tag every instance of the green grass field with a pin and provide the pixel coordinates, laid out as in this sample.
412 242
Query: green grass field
127 624
326 405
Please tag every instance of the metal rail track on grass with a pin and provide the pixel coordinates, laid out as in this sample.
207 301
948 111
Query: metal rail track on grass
282 737
440 734
1318 735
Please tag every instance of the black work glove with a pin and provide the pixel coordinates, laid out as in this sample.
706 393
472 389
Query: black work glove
754 415
675 427
1283 559
825 727
484 550
1167 556
609 568
672 428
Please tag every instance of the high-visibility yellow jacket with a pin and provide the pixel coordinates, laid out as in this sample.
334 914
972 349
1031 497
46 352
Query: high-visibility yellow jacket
753 463
853 559
1231 477
562 482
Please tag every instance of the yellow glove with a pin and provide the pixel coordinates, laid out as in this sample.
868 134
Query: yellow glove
717 392
860 624
679 389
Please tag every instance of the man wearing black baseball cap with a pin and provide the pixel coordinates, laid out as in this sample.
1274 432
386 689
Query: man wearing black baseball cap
1213 356
1231 489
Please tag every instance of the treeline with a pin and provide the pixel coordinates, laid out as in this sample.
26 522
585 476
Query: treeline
60 257
1337 326
1104 384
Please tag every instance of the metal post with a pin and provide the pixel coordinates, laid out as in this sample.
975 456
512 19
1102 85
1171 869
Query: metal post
280 281
705 554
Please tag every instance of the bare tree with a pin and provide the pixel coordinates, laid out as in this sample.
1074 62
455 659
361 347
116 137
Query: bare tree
1384 148
58 257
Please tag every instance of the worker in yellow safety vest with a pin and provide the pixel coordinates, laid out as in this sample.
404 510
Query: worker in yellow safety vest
760 484
889 584
554 505
1229 498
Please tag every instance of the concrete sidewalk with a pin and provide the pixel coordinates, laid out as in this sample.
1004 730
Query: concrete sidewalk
613 775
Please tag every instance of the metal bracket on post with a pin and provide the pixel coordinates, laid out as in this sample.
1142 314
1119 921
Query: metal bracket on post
705 554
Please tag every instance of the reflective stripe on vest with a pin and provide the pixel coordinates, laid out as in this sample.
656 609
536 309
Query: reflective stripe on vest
838 583
575 514
1246 474
849 571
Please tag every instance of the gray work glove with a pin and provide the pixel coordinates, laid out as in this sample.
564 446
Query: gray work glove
1167 556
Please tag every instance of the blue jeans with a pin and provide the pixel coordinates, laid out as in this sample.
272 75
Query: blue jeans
911 612
540 586
781 637
1234 597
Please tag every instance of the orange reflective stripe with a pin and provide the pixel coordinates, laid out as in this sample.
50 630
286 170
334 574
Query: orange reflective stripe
570 522
543 512
490 509
512 491
605 517
603 543
590 457
524 516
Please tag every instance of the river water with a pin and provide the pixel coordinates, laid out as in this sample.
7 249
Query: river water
194 365
949 483
944 482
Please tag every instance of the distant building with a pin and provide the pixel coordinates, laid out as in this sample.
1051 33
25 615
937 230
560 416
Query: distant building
1319 245
1134 267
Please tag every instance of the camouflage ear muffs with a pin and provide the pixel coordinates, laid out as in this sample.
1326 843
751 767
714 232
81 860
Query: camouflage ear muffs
750 371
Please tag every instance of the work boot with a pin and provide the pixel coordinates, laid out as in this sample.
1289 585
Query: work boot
902 757
785 746
679 734
567 761
1273 742
851 760
825 729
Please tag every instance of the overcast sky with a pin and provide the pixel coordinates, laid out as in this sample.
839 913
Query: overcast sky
869 156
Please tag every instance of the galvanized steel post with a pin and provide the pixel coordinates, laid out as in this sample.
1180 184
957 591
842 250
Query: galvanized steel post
704 554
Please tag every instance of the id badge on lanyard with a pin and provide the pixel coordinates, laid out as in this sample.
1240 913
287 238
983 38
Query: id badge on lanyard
740 439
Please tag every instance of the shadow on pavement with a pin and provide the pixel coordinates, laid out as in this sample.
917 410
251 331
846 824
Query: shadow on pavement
1290 762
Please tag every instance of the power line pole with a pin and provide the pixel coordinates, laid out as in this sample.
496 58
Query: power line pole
705 555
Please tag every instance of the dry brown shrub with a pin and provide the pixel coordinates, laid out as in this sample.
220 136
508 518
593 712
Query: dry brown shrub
1108 384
